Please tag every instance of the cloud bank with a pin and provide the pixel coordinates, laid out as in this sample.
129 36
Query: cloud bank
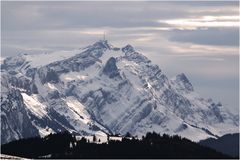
198 38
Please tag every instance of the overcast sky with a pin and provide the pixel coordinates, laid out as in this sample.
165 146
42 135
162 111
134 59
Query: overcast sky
199 39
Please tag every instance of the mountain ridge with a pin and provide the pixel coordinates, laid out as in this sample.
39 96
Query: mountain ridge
227 144
101 89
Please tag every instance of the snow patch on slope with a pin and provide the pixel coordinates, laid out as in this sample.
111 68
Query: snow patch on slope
38 60
70 76
34 105
79 108
51 86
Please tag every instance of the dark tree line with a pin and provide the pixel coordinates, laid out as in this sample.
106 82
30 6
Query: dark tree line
54 144
65 145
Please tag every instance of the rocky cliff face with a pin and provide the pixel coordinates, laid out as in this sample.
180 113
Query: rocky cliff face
15 122
103 89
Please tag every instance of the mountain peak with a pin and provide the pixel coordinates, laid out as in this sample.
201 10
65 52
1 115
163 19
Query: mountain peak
128 48
182 77
183 81
102 44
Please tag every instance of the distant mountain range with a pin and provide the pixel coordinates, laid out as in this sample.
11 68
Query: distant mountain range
227 144
103 89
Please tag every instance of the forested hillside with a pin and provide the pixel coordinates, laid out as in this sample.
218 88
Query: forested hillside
65 145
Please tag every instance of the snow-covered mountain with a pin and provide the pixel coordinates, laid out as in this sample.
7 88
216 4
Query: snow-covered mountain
103 89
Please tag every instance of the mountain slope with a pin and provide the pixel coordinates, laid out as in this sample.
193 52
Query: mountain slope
227 144
103 89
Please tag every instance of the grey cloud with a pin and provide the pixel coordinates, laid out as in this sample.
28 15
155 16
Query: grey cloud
206 3
45 15
211 36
